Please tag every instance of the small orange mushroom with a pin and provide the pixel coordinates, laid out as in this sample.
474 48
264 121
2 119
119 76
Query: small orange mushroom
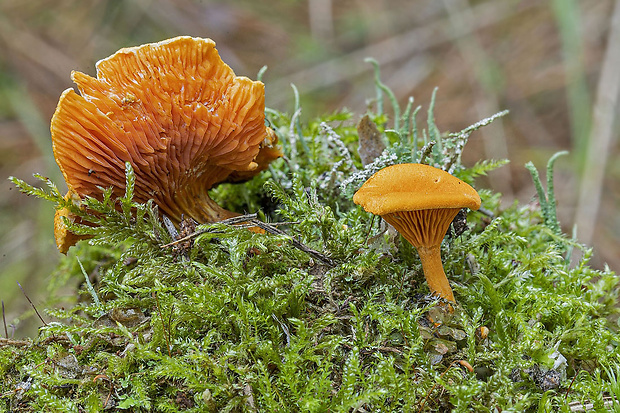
177 113
420 201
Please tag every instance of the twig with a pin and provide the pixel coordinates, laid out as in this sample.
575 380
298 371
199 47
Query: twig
212 230
104 377
314 254
229 221
6 332
250 220
17 343
571 386
31 303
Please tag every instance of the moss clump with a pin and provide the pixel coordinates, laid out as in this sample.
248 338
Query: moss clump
232 320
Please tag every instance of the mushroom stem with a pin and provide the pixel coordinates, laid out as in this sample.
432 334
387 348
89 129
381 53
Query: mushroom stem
434 273
202 208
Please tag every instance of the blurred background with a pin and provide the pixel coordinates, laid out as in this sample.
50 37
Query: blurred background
554 64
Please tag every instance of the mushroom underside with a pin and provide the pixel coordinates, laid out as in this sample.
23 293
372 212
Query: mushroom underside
425 230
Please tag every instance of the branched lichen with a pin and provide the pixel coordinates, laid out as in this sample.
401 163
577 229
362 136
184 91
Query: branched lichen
547 200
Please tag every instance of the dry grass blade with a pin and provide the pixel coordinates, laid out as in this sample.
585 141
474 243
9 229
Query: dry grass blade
601 134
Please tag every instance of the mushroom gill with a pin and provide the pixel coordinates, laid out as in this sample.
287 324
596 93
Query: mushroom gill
177 113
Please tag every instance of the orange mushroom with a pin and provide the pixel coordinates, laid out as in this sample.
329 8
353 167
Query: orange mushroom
420 201
177 113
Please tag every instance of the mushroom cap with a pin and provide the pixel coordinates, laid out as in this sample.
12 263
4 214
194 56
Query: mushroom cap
419 200
172 109
413 187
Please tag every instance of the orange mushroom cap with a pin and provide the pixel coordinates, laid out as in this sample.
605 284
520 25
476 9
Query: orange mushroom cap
413 186
420 201
177 113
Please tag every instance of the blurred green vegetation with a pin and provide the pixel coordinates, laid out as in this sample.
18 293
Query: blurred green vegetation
540 60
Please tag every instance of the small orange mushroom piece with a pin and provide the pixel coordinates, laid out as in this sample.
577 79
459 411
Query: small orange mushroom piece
177 113
65 238
420 201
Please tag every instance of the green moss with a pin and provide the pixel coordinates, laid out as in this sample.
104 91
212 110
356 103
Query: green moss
251 322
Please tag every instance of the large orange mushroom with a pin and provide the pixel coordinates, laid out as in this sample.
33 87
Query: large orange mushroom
420 201
177 113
